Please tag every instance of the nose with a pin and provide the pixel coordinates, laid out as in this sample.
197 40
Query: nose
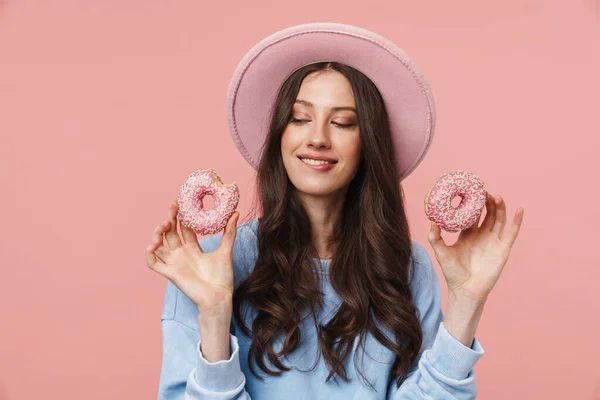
319 136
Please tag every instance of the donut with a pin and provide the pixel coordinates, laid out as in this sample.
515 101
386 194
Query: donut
192 214
438 201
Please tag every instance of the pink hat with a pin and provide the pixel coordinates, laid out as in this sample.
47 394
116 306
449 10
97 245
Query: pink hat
405 91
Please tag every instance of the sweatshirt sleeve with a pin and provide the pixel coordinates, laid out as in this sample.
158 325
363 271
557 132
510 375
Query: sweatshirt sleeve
187 375
444 368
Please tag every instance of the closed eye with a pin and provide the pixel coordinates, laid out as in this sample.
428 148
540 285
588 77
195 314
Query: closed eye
345 126
294 120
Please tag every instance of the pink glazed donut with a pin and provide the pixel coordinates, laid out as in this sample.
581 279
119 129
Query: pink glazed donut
191 209
438 202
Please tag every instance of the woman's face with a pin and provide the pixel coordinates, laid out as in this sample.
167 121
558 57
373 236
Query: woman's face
324 126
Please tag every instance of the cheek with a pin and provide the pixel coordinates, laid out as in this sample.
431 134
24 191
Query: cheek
352 149
287 142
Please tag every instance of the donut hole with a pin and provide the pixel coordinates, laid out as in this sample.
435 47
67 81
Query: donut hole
455 201
208 202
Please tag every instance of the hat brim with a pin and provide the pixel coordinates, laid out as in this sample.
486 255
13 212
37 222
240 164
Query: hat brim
405 91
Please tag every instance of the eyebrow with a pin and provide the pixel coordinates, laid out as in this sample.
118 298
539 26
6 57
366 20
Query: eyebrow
309 104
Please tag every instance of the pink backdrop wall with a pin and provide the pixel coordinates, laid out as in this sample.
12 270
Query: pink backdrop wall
106 106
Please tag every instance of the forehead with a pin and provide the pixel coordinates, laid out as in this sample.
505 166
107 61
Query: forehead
326 89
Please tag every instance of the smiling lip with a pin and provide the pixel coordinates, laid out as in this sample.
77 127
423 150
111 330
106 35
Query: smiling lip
322 167
317 157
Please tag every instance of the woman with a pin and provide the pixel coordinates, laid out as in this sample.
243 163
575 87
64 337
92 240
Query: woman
287 305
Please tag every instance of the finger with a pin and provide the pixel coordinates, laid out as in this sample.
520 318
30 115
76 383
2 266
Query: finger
490 213
172 236
157 236
435 238
500 216
513 232
230 233
155 264
189 236
157 244
163 254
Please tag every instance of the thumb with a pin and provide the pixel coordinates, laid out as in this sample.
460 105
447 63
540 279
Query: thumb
230 232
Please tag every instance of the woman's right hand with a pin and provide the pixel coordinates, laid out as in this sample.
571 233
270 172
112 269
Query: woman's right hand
205 278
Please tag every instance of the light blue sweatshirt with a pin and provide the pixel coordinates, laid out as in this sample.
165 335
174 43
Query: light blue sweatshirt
444 369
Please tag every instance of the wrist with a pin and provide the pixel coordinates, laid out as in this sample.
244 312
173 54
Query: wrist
216 316
462 317
467 304
214 333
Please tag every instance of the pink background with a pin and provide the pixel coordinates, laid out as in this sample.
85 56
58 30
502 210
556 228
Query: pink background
106 106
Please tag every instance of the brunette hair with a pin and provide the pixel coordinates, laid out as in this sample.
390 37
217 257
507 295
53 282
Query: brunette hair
370 267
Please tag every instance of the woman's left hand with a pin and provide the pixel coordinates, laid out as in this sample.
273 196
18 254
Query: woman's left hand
474 263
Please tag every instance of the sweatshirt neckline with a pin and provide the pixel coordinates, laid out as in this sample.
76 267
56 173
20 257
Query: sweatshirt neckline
322 265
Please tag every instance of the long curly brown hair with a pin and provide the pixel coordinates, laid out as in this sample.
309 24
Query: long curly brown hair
370 266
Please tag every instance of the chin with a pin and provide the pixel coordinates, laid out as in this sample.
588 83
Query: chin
320 189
